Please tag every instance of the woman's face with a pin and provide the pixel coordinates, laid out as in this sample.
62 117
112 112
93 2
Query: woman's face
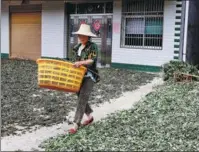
83 39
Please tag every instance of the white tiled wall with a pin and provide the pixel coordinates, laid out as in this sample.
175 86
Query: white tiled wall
53 29
54 41
4 28
145 56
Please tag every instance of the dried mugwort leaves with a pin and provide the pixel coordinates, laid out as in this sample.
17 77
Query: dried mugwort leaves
166 120
21 95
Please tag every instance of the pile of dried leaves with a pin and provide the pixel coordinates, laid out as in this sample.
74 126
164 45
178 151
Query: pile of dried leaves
25 105
178 66
166 120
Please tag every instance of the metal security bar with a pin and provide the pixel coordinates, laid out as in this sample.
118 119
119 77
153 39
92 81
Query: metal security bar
142 24
91 8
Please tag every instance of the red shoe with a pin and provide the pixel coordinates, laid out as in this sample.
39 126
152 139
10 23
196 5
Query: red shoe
72 131
87 122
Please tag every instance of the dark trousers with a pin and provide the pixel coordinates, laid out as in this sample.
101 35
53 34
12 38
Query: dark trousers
83 97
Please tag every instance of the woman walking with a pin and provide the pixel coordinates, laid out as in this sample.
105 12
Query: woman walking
85 54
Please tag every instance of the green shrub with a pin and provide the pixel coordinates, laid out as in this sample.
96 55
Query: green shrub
178 66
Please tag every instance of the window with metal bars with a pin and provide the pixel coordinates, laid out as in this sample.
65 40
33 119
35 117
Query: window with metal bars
142 24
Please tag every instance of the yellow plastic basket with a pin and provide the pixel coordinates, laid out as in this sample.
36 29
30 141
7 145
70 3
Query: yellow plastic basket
59 75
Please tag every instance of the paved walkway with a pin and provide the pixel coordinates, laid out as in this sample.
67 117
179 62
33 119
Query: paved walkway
31 141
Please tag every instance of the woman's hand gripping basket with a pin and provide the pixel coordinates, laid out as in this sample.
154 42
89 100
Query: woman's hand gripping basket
59 75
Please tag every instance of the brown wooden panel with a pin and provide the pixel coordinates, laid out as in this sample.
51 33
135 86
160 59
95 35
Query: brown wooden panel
26 35
28 8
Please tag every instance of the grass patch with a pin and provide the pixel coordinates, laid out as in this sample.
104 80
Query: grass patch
166 120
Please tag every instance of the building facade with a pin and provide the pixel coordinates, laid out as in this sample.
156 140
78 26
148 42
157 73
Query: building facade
134 34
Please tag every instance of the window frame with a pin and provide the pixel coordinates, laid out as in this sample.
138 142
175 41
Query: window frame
104 4
143 14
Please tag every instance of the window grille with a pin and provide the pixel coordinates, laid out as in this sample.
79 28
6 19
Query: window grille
91 8
142 24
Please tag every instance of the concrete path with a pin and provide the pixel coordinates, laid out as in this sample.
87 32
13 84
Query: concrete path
31 141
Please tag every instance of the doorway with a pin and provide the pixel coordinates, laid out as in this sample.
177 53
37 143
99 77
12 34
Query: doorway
101 25
25 32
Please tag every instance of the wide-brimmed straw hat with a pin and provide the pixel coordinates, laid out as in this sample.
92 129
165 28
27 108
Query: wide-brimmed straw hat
85 30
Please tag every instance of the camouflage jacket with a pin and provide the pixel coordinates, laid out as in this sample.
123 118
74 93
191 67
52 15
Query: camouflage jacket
90 51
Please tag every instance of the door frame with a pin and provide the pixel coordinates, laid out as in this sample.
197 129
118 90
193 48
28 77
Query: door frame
68 13
30 8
